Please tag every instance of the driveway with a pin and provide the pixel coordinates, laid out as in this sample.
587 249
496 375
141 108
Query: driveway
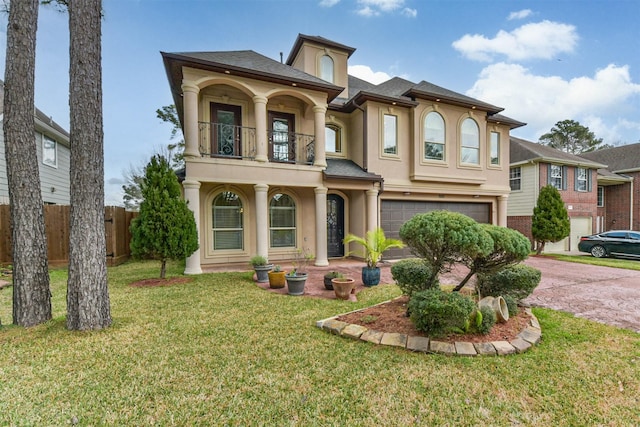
603 294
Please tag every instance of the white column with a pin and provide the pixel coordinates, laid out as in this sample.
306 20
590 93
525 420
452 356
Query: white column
190 98
502 210
260 107
321 227
192 196
319 120
372 209
262 228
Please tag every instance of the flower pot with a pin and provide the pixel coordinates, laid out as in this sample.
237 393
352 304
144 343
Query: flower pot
370 276
262 271
327 283
497 304
295 284
277 279
343 287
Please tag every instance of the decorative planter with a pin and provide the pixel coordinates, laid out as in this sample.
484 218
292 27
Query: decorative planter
327 283
370 276
295 284
497 304
262 271
343 287
277 279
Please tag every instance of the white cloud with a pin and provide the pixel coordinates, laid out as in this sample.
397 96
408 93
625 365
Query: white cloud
365 72
328 3
376 7
541 101
521 14
536 40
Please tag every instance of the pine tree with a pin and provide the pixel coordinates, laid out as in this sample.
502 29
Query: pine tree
550 218
165 228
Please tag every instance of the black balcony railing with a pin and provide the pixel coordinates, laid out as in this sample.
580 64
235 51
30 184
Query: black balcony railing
291 147
224 140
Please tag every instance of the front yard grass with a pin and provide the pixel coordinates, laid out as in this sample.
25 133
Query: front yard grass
222 351
628 264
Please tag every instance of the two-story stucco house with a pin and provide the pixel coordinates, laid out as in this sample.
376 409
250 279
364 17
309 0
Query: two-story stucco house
534 166
295 154
52 143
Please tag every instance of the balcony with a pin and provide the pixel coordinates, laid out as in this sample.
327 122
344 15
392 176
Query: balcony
239 142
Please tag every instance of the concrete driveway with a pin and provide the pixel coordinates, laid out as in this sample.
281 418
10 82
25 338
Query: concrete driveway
603 294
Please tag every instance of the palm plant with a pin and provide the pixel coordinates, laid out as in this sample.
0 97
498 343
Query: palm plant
375 243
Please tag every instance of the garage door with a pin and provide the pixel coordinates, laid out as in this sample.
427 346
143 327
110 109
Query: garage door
580 226
394 213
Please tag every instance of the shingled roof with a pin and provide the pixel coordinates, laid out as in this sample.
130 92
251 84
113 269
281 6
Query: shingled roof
346 169
625 158
523 151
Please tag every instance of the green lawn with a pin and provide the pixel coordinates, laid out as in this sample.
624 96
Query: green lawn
629 264
221 351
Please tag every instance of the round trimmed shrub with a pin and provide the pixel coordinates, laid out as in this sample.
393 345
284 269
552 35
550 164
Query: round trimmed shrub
436 312
412 275
512 304
518 280
488 319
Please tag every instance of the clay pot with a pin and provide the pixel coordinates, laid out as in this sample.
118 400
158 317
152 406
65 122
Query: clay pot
343 287
498 305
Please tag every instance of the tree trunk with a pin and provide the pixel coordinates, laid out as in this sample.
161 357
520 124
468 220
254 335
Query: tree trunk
540 248
464 281
163 268
31 294
87 291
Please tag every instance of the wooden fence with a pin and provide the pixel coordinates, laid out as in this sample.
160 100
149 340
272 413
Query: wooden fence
56 218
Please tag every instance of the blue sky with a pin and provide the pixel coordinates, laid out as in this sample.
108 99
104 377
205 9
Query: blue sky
543 61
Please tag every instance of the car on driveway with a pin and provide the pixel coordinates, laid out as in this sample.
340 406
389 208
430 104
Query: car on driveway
615 243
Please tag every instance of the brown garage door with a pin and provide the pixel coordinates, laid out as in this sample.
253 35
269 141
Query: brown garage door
394 213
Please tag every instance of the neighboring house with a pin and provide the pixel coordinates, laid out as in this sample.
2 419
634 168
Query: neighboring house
52 143
534 166
291 155
618 188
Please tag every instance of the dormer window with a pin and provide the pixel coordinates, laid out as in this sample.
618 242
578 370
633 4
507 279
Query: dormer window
326 68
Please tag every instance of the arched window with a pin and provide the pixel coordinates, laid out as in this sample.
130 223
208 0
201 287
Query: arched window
282 221
470 136
434 137
228 230
332 139
326 68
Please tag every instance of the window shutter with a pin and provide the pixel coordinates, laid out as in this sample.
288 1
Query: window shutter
548 173
564 177
589 172
575 179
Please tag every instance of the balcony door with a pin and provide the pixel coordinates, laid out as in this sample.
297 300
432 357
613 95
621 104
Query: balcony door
225 130
282 146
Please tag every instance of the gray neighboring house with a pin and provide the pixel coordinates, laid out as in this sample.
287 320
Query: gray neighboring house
52 143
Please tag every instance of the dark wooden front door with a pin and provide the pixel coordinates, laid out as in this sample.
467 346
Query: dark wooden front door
282 147
225 130
335 226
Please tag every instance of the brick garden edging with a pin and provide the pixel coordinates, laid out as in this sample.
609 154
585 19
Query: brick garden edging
527 338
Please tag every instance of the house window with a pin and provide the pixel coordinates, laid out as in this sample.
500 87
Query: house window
326 68
333 139
390 134
228 231
582 179
600 196
434 137
494 148
470 133
282 221
49 151
515 178
557 176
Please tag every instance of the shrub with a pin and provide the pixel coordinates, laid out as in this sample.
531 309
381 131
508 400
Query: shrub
550 221
512 304
436 312
412 275
487 318
518 280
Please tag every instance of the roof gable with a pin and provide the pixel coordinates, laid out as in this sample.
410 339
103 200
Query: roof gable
522 151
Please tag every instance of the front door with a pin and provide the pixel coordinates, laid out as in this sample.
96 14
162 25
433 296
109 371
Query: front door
282 141
225 130
335 226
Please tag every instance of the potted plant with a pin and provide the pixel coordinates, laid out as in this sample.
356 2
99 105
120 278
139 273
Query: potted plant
297 277
375 244
342 286
262 267
276 277
327 279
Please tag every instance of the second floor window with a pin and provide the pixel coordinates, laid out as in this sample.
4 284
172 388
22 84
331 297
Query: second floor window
332 139
556 176
515 178
390 134
600 196
326 68
582 179
470 139
494 148
49 151
434 137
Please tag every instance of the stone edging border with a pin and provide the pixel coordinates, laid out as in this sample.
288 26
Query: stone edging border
527 338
